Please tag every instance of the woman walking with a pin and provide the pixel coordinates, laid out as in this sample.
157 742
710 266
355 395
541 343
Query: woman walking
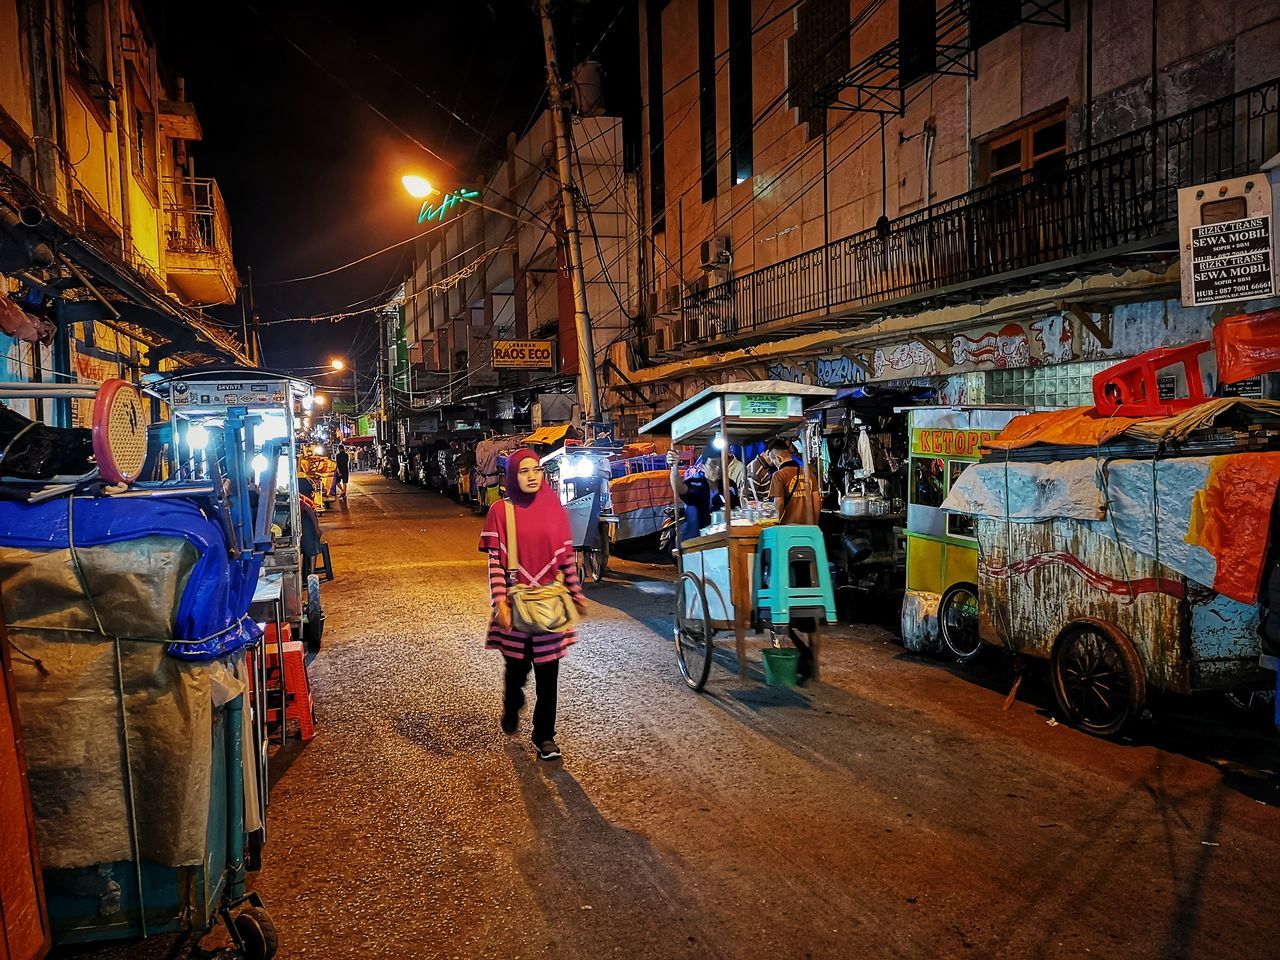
529 545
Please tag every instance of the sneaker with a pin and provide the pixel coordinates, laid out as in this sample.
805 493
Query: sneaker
548 750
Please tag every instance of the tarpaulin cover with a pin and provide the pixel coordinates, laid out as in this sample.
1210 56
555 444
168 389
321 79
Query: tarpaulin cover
1029 491
1248 344
1207 518
72 715
639 501
1085 427
206 617
548 435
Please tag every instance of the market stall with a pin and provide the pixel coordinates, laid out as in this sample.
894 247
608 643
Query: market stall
725 578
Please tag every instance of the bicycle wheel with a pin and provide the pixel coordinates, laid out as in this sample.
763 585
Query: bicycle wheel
692 631
958 621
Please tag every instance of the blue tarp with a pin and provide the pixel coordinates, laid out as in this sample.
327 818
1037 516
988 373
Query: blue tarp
211 618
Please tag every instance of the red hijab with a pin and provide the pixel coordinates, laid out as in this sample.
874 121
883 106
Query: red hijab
542 526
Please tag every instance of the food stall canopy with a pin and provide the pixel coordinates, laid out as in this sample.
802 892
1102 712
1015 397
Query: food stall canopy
1084 426
751 410
548 435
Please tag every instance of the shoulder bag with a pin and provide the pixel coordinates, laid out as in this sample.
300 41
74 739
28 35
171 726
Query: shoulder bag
535 609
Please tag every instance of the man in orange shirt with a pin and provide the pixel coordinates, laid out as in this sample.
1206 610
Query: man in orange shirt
794 488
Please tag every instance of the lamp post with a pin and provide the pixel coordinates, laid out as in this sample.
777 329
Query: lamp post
338 364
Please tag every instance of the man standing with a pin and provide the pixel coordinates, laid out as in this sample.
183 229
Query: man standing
701 493
798 500
794 488
343 475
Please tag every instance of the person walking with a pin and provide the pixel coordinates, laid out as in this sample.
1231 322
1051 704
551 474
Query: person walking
342 476
529 545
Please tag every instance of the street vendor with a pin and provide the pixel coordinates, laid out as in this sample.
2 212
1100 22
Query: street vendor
702 494
794 488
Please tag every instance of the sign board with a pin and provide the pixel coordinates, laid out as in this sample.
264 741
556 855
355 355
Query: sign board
523 355
764 406
1231 261
937 442
1227 241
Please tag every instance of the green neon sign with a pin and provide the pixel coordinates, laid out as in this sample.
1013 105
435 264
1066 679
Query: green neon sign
447 202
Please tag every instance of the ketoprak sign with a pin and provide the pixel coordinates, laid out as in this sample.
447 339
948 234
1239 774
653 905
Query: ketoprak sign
523 355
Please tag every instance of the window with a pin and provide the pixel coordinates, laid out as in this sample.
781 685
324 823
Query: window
917 39
928 481
657 121
740 100
817 54
143 132
1033 147
87 40
993 18
958 524
707 94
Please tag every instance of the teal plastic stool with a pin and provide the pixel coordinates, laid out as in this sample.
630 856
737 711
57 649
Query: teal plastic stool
792 577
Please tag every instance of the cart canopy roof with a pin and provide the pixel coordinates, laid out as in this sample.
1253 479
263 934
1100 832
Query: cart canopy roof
765 419
548 435
1085 427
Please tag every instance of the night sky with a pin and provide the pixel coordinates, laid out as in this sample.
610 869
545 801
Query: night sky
311 173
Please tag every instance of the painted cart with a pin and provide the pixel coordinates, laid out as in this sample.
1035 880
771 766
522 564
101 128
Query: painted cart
717 586
1133 563
940 605
580 476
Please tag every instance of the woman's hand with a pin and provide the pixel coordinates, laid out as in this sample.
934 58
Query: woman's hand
502 615
673 458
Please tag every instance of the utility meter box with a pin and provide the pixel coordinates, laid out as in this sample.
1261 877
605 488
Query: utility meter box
1227 241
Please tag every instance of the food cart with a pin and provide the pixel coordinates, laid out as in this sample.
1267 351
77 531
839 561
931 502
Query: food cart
940 605
717 582
1132 553
200 399
581 477
130 598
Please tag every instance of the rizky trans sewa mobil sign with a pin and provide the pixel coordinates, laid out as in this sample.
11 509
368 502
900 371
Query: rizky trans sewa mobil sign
523 355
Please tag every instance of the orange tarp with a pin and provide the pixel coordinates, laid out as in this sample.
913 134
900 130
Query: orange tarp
1231 518
639 491
1076 427
1085 427
1248 344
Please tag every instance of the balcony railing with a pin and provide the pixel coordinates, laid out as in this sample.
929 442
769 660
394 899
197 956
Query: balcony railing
1120 194
198 240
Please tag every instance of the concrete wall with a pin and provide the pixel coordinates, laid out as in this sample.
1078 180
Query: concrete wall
1202 50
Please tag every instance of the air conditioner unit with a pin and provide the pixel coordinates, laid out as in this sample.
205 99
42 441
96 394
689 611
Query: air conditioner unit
714 253
716 277
664 301
699 286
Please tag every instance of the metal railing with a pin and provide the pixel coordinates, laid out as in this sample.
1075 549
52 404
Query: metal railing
1120 194
196 218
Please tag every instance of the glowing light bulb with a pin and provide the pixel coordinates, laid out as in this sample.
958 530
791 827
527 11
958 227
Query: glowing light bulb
197 437
318 450
260 464
718 442
418 187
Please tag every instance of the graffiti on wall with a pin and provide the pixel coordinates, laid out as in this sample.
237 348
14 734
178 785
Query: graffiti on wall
789 372
838 372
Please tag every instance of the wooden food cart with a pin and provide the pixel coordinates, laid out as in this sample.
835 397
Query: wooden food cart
715 588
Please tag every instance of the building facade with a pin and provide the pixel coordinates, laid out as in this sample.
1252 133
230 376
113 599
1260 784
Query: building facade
110 245
977 196
492 273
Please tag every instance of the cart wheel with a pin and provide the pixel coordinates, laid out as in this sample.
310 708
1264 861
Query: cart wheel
958 622
257 933
595 562
692 631
1098 678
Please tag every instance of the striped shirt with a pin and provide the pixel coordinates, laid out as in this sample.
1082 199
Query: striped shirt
515 643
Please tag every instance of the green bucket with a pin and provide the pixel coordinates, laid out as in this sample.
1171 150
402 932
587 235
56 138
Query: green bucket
780 666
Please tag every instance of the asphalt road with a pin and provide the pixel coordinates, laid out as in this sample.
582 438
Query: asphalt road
894 810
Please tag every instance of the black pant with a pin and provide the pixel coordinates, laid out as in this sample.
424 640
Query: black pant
546 677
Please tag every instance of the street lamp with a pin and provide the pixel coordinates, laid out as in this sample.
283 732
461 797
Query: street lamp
419 188
337 363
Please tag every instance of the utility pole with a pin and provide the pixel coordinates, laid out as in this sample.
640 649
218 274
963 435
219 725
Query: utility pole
588 393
